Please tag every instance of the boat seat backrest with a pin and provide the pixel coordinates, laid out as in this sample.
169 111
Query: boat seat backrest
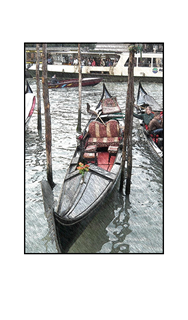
99 130
104 136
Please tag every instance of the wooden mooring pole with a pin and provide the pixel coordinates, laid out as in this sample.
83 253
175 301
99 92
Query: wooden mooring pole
39 126
127 143
47 116
80 90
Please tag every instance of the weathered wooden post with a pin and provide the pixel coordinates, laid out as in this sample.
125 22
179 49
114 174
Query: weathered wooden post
47 116
128 123
131 106
39 127
80 90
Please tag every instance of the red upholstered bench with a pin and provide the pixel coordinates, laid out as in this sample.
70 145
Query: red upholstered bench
104 136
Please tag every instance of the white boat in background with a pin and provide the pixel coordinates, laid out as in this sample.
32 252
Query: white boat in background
149 65
30 101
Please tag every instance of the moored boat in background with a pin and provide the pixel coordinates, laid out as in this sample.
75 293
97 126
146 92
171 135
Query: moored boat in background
155 143
30 101
70 83
111 65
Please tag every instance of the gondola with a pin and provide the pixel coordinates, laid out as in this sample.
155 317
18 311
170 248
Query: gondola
70 83
30 101
155 143
99 149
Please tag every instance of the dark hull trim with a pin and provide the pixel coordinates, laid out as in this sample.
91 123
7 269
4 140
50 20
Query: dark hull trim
74 83
106 77
29 90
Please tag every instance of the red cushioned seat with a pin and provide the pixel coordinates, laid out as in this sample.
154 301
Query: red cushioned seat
112 149
91 157
104 142
104 135
91 148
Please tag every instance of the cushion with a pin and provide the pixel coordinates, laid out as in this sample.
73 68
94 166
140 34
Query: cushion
104 142
103 135
90 155
110 105
91 148
99 130
112 149
112 128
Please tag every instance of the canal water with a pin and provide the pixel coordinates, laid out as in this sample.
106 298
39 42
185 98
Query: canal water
123 224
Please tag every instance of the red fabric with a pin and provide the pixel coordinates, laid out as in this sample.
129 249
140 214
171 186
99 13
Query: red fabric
33 107
103 158
110 105
109 102
155 139
112 149
99 130
104 136
112 159
89 155
102 130
91 148
92 129
104 142
112 128
80 137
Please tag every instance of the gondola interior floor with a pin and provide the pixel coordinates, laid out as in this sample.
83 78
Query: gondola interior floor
103 161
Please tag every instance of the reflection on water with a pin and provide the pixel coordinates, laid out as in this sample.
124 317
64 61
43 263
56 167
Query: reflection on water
122 225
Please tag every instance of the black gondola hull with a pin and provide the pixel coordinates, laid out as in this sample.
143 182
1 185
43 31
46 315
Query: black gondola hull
67 234
80 199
